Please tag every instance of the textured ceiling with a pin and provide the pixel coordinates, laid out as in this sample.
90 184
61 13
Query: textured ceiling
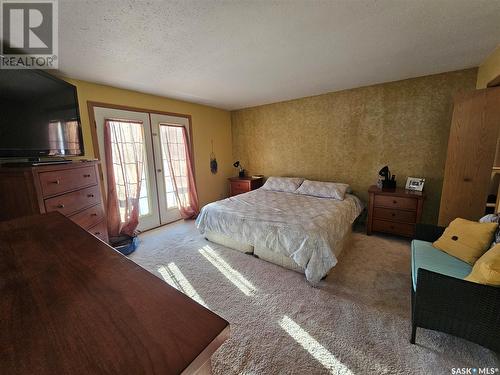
235 54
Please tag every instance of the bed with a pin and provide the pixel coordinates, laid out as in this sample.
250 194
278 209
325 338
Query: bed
301 232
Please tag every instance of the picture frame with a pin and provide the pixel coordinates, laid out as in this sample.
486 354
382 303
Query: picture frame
415 183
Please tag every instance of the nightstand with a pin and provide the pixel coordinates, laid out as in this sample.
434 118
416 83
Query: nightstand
394 211
239 185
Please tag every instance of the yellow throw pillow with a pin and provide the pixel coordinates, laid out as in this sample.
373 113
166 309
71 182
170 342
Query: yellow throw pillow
487 268
466 240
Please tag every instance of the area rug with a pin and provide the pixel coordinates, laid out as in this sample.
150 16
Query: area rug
357 321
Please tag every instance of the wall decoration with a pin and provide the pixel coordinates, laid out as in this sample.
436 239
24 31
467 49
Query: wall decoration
213 160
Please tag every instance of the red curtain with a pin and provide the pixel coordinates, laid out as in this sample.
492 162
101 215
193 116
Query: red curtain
124 153
181 171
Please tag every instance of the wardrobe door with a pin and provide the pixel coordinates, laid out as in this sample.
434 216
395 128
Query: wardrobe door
471 152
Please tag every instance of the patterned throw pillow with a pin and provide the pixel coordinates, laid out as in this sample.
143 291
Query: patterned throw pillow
321 189
493 218
285 184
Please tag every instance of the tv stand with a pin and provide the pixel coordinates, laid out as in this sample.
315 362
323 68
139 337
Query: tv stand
39 161
36 162
50 162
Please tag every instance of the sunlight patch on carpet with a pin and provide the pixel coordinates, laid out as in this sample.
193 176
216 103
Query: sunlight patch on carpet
173 276
229 272
318 351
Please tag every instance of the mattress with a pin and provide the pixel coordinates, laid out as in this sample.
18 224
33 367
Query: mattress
228 242
304 228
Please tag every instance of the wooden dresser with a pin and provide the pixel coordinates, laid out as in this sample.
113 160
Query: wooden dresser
394 211
72 305
239 185
72 189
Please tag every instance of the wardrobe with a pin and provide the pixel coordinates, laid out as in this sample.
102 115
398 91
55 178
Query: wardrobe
472 170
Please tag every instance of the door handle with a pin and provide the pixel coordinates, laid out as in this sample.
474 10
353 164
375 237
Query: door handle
158 170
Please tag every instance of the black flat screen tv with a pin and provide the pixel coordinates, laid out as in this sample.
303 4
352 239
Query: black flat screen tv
39 116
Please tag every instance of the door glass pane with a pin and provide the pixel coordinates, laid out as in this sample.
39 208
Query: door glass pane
127 138
172 139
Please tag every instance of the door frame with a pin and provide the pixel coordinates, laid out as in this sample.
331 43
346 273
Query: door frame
95 141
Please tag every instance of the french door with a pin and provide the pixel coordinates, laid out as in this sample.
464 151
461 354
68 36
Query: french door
169 163
164 158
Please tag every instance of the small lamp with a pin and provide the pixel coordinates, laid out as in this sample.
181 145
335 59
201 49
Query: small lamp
387 180
238 165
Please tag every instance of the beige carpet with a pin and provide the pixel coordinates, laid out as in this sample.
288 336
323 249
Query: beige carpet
356 322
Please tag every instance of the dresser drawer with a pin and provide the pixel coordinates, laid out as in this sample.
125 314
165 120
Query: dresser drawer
402 229
89 217
70 203
240 185
57 182
100 231
395 202
395 215
238 191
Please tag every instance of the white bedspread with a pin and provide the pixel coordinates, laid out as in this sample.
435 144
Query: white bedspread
302 227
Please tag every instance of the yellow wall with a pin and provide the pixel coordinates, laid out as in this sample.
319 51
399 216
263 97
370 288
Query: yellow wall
489 69
208 123
348 136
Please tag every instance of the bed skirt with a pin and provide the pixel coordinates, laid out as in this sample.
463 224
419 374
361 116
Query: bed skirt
269 255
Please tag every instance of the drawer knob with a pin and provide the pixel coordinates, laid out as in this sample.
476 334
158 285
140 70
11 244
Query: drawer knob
86 175
467 179
90 195
394 202
393 214
60 205
57 182
93 214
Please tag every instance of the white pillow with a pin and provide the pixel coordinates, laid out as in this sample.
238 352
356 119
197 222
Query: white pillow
285 184
323 189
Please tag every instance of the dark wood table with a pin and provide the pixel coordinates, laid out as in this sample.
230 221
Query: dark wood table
70 304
